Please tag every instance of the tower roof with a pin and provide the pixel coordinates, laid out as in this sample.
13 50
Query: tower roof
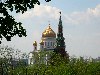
35 43
41 43
60 39
49 32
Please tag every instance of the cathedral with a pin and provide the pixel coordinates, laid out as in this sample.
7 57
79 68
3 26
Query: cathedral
49 42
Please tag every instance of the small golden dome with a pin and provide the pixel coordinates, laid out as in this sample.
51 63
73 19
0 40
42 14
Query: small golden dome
35 43
49 32
41 43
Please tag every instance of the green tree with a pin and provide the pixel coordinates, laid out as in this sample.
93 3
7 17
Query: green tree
8 26
7 56
59 66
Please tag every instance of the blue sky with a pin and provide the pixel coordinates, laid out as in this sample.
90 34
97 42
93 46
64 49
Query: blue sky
81 24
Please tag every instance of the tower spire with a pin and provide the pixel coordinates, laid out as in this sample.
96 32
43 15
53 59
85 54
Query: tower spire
60 48
60 38
60 15
60 21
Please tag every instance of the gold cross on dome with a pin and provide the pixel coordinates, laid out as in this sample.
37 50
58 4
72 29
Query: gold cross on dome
49 22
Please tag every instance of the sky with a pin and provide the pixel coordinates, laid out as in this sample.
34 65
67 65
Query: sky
81 26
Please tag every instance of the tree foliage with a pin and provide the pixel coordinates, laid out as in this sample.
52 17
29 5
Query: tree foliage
57 66
74 67
8 26
11 58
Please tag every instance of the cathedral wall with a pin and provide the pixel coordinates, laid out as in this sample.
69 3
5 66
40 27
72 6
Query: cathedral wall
49 42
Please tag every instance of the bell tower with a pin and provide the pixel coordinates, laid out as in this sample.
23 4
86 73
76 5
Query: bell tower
35 46
60 39
60 47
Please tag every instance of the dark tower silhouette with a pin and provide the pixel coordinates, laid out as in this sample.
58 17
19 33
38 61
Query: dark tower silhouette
60 47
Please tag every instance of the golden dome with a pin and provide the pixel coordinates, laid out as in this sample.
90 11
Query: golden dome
49 32
35 43
41 43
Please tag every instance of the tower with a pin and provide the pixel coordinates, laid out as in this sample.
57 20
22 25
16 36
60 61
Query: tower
60 39
60 47
41 45
35 46
31 60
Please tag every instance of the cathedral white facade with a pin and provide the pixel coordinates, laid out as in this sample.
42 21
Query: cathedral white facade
48 42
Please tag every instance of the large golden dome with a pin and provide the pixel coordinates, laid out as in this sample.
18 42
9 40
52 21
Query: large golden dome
49 32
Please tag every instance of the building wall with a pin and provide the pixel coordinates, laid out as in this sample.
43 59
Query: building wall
49 42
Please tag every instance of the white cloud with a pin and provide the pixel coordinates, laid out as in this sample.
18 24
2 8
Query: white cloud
94 12
86 17
44 12
41 11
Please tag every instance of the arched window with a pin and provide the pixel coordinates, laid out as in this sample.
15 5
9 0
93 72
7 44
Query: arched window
45 43
42 47
35 48
48 43
51 43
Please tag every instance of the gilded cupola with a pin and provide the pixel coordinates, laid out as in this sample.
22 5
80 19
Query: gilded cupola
41 43
49 32
35 43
